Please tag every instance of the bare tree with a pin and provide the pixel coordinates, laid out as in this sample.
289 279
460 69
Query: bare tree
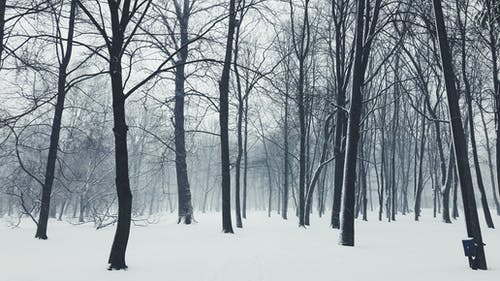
62 88
223 119
464 173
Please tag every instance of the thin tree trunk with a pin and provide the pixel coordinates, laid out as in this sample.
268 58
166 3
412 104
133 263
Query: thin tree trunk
241 105
245 162
61 211
2 25
323 161
284 212
41 231
447 187
420 184
455 195
185 207
490 164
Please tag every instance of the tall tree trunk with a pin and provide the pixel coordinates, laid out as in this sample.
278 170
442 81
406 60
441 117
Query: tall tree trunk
185 207
227 226
241 104
347 223
123 191
301 46
464 173
395 130
339 14
41 231
302 145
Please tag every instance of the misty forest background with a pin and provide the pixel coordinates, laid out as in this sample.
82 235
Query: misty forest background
299 108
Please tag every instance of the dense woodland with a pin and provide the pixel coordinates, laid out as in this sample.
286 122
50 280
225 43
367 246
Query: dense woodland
117 111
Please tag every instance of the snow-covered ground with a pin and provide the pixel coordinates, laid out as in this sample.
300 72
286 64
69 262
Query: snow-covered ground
266 249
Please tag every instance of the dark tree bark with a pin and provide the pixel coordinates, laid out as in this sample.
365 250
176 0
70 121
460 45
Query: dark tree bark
239 125
227 226
2 25
454 213
464 173
468 99
361 56
395 130
347 224
123 191
342 73
447 186
185 208
121 14
301 47
41 231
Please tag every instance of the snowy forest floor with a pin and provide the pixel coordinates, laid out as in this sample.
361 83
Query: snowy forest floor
265 249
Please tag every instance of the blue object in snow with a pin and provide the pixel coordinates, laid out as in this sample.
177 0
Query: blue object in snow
470 247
